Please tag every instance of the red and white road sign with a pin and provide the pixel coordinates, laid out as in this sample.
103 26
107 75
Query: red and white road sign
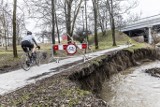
70 48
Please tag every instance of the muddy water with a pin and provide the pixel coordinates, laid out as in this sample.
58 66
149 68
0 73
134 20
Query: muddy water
133 88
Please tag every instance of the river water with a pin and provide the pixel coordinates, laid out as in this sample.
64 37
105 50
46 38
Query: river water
133 88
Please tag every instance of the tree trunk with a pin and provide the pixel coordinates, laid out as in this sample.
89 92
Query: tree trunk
102 27
113 32
56 21
111 12
14 30
57 28
6 47
53 24
70 23
68 20
75 17
113 24
5 31
86 20
95 22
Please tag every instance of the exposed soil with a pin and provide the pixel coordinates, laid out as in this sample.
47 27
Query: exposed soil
93 75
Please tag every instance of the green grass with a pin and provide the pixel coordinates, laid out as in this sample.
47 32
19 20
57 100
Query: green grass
105 42
137 46
7 59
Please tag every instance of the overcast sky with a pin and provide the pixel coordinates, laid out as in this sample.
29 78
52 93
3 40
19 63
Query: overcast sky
148 7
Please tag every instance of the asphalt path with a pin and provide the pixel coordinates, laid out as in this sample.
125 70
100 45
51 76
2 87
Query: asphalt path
14 80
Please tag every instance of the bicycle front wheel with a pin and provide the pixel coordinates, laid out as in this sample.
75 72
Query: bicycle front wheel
25 62
37 59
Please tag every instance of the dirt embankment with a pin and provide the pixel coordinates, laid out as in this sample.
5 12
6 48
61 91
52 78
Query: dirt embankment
93 75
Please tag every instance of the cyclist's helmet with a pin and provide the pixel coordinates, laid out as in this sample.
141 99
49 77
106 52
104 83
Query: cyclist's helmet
29 33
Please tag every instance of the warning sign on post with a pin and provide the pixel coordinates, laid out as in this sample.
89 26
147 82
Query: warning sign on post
71 49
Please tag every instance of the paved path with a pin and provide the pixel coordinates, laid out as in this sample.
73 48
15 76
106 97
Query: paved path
17 79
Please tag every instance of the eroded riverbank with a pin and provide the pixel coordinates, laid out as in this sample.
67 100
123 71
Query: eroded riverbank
133 87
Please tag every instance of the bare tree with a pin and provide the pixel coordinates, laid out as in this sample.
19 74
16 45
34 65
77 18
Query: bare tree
102 17
116 9
70 20
129 20
5 29
14 29
64 14
5 20
20 27
57 28
53 22
86 32
95 23
110 8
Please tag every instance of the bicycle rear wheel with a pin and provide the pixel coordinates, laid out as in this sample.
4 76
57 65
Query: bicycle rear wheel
25 62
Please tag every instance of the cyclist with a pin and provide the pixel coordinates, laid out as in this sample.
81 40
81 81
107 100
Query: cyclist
28 41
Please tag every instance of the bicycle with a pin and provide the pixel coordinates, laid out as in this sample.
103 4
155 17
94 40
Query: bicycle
28 59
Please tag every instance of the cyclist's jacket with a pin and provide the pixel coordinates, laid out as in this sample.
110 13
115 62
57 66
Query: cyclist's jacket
29 38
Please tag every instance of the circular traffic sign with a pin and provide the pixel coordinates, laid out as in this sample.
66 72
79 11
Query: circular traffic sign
71 49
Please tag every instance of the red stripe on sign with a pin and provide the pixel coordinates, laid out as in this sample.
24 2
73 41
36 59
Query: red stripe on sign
55 47
65 47
84 46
